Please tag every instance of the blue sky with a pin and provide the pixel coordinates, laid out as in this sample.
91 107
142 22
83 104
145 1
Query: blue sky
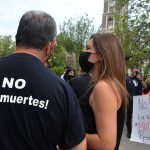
12 10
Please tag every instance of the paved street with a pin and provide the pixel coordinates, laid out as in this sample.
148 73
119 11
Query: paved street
126 144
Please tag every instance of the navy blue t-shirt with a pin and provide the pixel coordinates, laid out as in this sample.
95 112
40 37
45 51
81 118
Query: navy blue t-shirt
38 110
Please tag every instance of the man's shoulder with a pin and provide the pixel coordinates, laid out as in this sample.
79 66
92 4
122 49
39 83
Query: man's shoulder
56 81
128 78
80 78
4 58
76 80
50 77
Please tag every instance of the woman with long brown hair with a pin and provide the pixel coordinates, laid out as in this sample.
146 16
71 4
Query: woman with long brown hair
104 105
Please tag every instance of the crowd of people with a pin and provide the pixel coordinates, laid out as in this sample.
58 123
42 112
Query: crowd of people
85 112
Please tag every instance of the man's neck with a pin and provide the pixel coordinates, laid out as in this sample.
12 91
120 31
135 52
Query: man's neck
33 52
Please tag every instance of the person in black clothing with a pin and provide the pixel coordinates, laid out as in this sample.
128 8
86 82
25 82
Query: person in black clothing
104 105
134 87
65 69
146 91
80 84
38 110
69 74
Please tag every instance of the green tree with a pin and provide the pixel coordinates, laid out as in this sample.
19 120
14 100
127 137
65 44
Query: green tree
74 33
132 25
7 45
59 53
57 60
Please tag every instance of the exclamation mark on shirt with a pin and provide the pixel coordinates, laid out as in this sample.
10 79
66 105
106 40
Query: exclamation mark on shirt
46 104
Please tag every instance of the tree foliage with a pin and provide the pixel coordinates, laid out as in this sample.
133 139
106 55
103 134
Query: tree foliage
58 56
133 27
7 45
75 32
73 35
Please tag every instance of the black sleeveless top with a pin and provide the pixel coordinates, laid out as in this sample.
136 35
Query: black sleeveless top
89 119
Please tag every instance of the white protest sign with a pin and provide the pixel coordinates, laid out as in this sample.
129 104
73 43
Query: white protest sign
141 119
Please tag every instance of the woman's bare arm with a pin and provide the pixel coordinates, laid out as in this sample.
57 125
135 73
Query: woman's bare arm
104 104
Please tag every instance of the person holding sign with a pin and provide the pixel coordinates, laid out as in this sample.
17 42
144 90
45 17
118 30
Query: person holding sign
134 87
104 105
38 110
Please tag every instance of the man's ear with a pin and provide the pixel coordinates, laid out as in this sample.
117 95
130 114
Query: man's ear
49 47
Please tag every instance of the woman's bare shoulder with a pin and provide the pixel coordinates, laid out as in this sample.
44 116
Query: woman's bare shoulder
104 91
102 85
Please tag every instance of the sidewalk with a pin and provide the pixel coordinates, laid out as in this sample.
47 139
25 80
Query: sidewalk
126 144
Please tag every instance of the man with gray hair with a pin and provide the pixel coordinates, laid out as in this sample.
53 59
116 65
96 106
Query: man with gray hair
38 110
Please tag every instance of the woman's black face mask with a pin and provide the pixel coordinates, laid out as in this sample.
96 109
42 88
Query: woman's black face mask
85 65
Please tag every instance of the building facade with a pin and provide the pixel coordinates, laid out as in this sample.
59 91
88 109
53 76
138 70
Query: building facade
108 21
